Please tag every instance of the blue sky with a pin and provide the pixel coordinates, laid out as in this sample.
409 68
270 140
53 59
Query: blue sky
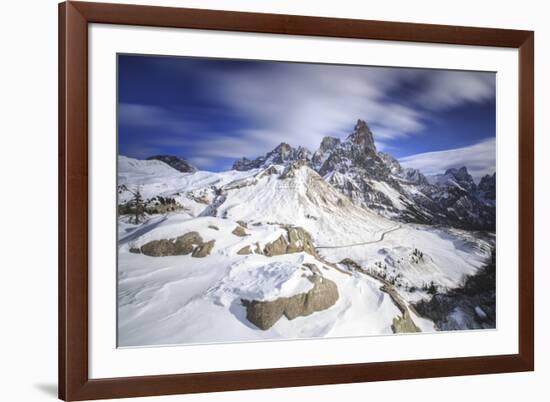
213 111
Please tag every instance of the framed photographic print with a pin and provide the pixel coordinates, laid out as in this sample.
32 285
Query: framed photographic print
258 200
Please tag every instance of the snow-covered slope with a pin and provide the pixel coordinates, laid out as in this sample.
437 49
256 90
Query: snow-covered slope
298 196
171 298
181 299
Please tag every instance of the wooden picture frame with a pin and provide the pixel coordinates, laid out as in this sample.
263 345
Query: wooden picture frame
74 381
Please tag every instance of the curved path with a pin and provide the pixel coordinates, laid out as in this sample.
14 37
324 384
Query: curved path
383 234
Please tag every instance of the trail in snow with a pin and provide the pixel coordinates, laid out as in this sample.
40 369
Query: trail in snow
384 233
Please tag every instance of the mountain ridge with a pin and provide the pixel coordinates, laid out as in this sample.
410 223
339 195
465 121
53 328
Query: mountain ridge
180 164
376 180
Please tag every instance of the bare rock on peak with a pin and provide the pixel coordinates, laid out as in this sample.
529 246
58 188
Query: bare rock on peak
175 162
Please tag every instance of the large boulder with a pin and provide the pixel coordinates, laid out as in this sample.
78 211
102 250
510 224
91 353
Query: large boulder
239 231
203 249
264 314
276 247
245 250
186 244
297 240
159 248
300 240
189 243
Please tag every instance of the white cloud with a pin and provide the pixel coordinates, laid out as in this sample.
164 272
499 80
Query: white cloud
202 162
444 89
146 116
480 159
302 103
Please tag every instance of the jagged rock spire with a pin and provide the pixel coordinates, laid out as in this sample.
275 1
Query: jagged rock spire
362 136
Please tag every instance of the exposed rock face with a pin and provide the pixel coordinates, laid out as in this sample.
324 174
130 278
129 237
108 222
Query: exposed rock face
352 265
203 249
460 178
362 136
189 243
281 155
486 188
152 206
326 147
290 169
414 176
160 248
179 164
391 162
264 314
245 250
297 240
455 192
268 172
276 247
239 231
300 240
377 181
404 324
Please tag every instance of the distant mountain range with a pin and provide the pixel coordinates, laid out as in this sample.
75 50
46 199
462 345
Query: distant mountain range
376 181
181 165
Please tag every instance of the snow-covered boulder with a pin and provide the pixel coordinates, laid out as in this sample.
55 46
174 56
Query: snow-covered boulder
264 314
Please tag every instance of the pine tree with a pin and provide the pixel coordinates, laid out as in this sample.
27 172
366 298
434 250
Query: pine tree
137 206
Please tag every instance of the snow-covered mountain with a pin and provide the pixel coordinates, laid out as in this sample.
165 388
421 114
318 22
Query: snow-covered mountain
177 163
376 181
283 154
279 251
486 189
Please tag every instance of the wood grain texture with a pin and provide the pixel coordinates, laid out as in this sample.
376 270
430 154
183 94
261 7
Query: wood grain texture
74 382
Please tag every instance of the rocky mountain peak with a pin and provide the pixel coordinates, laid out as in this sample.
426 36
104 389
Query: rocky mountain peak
459 178
377 181
329 143
282 154
461 174
391 162
282 149
362 136
175 162
487 187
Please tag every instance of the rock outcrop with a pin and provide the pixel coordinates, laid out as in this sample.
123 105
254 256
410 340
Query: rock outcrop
204 249
486 189
276 247
296 240
189 243
239 231
179 164
245 250
283 154
264 314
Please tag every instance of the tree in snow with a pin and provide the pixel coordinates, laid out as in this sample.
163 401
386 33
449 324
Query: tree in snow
137 206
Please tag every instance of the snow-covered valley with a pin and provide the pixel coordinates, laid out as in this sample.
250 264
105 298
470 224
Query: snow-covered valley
279 251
